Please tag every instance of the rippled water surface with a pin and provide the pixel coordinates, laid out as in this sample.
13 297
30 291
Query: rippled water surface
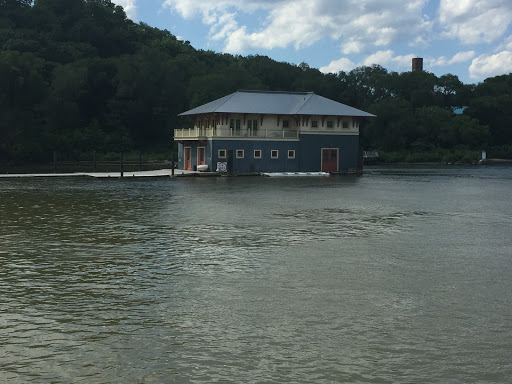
402 275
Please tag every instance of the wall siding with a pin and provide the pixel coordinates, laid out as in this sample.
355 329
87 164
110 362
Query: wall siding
308 152
266 163
311 151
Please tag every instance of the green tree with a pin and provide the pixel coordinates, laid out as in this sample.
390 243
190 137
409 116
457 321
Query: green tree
22 90
491 106
391 129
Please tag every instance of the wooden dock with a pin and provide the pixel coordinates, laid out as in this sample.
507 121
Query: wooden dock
103 175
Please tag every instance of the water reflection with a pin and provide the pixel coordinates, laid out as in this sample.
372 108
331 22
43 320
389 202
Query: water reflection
383 278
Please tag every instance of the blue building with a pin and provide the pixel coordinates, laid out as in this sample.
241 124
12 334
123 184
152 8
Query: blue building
262 131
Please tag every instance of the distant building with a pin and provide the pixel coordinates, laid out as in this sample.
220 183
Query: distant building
459 110
417 64
262 131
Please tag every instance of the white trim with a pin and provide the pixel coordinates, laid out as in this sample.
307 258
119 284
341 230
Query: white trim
280 139
254 154
225 154
239 150
335 133
274 157
291 150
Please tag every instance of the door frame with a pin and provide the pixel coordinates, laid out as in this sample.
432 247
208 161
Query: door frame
203 150
322 158
187 158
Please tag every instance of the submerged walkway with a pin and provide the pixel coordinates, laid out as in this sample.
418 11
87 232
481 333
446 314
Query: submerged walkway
154 173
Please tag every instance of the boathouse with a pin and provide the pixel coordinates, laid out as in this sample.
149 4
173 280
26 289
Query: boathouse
263 131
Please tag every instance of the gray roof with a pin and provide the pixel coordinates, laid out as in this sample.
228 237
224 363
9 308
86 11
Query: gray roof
277 103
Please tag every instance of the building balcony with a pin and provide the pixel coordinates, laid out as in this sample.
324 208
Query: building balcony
260 133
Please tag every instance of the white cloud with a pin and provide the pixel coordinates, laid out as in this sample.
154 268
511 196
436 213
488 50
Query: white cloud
351 45
491 65
475 21
459 57
358 24
129 6
223 26
285 28
191 8
386 58
336 66
506 45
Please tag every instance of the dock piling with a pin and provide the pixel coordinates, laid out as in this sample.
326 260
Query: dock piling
122 165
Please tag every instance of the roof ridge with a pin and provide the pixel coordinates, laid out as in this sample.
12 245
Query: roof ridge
301 103
282 92
228 97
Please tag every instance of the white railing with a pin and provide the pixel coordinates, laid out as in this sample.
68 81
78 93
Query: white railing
185 133
370 154
196 133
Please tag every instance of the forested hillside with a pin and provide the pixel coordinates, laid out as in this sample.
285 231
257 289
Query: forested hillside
78 76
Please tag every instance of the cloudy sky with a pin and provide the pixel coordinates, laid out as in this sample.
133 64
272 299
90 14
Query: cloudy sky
468 38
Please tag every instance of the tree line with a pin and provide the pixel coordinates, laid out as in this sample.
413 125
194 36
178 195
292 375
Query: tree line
78 76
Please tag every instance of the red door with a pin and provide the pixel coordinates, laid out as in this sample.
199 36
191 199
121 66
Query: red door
329 159
188 158
200 156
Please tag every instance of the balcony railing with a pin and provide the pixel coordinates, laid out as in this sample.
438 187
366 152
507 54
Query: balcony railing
203 133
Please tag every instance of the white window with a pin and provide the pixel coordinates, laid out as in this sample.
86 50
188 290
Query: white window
239 153
257 153
330 124
314 124
274 154
222 154
252 126
291 153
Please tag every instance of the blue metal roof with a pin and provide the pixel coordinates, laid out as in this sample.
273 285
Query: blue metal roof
277 103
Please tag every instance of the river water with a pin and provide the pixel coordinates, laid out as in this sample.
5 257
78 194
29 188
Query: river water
399 276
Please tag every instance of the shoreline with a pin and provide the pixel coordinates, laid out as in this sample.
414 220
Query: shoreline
106 175
185 173
442 164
